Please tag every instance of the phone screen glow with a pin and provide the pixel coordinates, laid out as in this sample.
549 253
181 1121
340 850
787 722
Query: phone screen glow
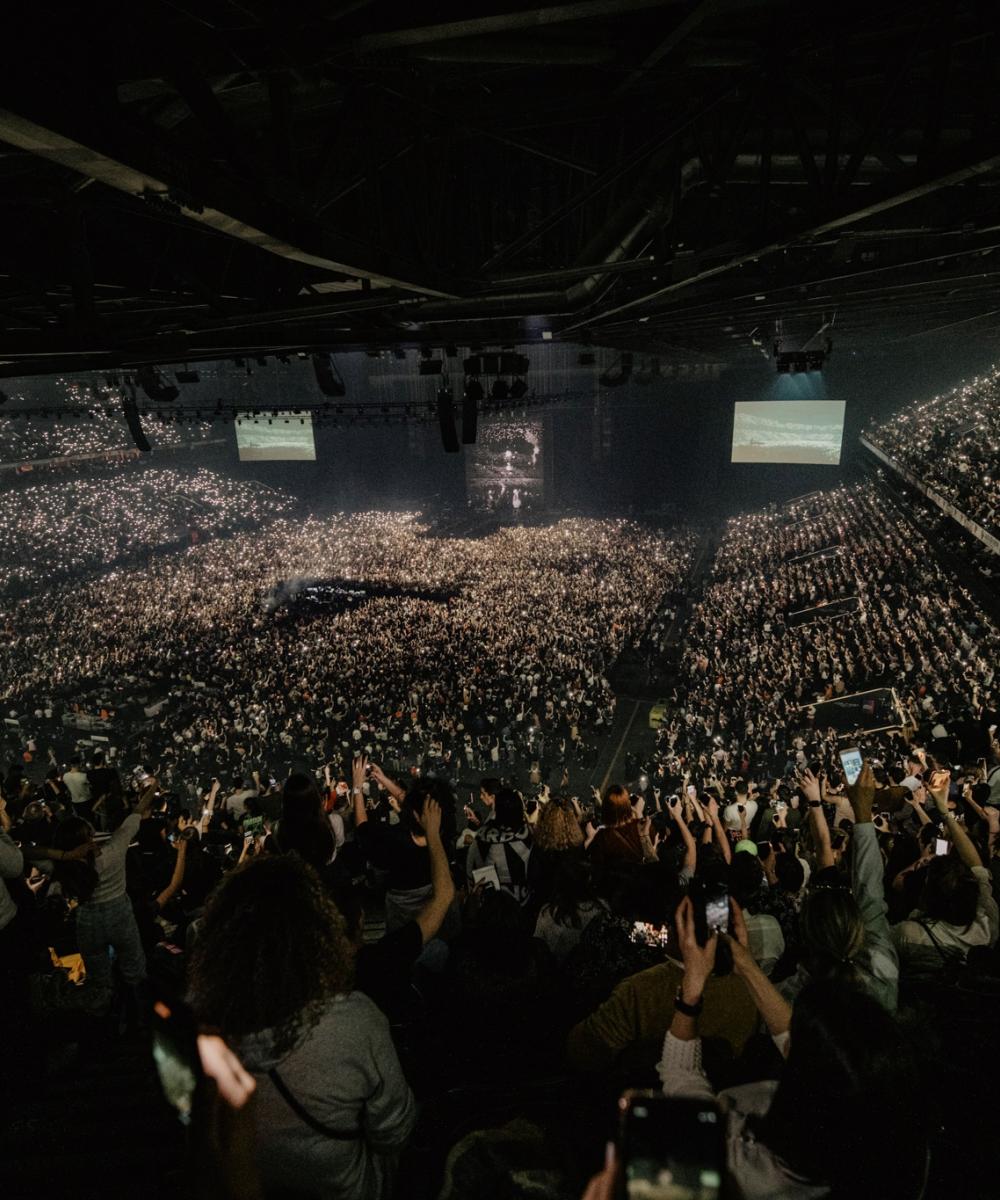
851 760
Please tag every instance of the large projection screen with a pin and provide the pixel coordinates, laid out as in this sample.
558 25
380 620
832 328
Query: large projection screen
505 469
788 431
284 436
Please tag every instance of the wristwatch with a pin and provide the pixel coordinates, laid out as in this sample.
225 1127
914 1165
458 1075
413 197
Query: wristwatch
815 803
689 1010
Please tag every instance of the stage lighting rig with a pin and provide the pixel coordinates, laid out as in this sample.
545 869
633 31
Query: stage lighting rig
793 362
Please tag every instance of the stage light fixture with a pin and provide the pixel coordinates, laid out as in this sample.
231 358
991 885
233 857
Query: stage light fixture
518 389
500 389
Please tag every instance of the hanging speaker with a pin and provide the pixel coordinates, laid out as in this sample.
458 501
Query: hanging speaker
470 411
135 426
327 376
446 421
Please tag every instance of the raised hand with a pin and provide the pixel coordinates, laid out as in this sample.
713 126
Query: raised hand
861 794
940 782
699 960
358 776
430 818
810 786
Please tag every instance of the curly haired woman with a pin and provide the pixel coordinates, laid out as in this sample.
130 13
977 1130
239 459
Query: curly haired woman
273 971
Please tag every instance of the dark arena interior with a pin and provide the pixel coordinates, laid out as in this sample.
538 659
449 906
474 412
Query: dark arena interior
499 626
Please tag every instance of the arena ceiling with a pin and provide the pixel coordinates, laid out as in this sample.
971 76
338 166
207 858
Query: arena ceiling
192 180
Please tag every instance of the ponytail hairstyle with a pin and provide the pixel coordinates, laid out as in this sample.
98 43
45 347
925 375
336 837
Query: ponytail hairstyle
832 933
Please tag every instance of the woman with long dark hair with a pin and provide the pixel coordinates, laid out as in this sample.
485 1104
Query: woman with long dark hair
849 1088
303 827
273 970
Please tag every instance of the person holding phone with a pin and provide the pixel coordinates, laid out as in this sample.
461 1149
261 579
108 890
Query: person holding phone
628 1027
844 928
848 1071
956 910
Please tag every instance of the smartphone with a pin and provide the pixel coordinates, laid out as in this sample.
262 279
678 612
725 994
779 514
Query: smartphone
717 908
175 1053
941 845
851 762
247 839
764 849
692 791
671 1149
184 1058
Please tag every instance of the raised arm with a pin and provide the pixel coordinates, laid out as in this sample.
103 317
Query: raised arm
146 798
177 878
432 915
821 831
964 845
394 789
206 815
720 834
915 799
690 849
868 887
358 791
774 1009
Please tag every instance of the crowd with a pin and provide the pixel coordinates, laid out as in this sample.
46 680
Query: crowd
758 659
952 444
743 928
78 417
511 668
68 529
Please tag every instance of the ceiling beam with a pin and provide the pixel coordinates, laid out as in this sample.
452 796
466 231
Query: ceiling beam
701 13
210 196
643 152
971 162
532 18
531 52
